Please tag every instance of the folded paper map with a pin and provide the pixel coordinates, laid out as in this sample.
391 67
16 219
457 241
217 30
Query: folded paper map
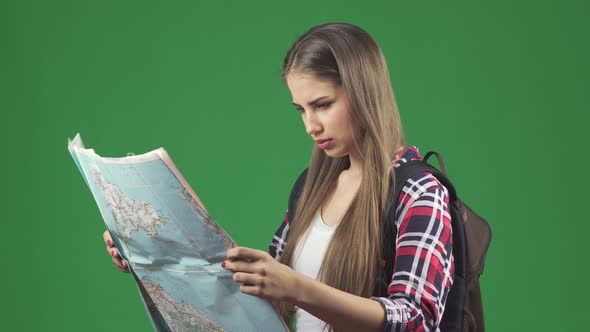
173 248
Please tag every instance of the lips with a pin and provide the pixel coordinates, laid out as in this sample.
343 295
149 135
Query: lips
323 143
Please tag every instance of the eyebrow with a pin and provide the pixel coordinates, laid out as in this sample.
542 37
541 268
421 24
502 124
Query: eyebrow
313 102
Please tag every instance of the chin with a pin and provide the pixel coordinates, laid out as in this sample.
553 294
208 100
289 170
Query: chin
334 154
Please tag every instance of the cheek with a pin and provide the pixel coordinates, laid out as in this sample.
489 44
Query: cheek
341 121
348 127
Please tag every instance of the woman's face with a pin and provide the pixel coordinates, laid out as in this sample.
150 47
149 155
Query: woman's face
326 114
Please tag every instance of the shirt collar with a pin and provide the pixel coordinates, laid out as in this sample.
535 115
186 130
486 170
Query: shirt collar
407 154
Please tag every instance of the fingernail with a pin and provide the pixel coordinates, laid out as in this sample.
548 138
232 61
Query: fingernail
110 243
223 264
113 253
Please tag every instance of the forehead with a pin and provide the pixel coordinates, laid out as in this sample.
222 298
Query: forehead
306 87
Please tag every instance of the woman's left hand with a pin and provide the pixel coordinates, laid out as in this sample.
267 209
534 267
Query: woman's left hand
260 275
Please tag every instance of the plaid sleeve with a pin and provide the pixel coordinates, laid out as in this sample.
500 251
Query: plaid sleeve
424 266
279 240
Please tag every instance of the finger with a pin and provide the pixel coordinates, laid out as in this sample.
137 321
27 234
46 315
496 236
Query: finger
240 266
113 252
125 266
123 269
121 264
244 253
117 262
252 290
107 238
248 279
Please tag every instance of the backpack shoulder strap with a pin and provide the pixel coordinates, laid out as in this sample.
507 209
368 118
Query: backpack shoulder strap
295 194
402 174
453 317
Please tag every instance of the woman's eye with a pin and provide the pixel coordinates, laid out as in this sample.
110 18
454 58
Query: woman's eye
324 106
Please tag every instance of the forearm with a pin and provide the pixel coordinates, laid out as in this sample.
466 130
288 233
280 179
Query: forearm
344 311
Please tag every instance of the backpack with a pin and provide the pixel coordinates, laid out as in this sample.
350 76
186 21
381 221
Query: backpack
471 239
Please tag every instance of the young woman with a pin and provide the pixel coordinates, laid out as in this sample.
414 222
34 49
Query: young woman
321 268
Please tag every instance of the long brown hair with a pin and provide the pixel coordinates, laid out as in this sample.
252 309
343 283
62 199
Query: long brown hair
349 57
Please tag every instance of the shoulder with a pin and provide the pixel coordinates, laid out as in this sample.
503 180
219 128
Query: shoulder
296 191
420 183
420 188
301 178
417 181
298 185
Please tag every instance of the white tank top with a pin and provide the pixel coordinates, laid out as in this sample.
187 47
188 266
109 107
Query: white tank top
307 259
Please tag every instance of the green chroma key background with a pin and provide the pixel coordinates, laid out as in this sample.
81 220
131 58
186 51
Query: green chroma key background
500 89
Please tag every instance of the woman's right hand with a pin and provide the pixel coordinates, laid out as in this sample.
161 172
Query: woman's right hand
119 262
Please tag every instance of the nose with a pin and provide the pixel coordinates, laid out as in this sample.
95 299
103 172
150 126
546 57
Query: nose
313 126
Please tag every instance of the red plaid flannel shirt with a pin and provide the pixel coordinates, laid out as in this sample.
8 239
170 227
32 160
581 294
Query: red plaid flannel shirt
424 266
